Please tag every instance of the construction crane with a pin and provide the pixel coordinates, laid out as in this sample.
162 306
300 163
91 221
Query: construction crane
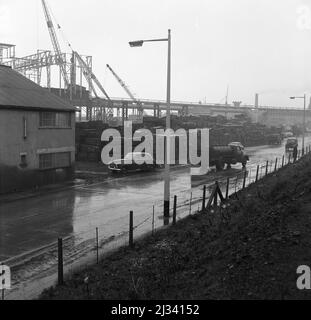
127 90
90 76
123 85
87 72
55 43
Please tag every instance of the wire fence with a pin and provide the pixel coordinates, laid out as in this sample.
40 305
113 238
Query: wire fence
88 246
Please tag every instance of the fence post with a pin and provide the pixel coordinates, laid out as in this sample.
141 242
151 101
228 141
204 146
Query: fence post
190 207
276 164
244 180
227 188
257 173
97 246
60 262
267 166
216 194
204 198
153 221
131 238
283 158
175 210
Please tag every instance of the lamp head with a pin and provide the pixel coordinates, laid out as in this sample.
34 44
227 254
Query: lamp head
136 43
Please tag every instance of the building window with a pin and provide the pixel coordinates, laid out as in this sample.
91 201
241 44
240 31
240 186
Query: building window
55 120
23 163
54 160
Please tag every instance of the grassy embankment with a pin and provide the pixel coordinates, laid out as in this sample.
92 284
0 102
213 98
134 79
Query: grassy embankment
248 250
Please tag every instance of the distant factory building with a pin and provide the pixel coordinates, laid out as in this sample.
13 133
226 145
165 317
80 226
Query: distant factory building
37 134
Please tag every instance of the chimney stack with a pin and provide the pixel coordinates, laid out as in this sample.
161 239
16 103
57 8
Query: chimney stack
257 100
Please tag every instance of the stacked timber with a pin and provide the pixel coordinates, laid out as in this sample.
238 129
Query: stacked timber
222 132
88 141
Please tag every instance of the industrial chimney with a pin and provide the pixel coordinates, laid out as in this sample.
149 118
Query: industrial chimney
256 100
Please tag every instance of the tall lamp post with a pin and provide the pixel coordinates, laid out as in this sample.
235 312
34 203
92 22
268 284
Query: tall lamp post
168 119
304 120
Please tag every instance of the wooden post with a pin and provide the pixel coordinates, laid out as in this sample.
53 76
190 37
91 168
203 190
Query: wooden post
227 189
257 173
283 158
153 221
204 198
267 166
276 164
216 194
60 263
190 206
244 181
131 237
97 246
175 210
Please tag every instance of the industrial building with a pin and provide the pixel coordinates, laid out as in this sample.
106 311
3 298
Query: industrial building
37 134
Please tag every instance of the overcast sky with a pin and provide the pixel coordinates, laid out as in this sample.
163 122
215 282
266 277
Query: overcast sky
253 46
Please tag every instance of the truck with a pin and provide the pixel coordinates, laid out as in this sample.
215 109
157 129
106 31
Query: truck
230 154
291 144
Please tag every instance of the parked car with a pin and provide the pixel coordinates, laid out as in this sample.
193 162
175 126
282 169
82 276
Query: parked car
291 143
135 161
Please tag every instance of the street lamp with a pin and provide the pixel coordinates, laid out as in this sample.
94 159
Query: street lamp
304 120
168 119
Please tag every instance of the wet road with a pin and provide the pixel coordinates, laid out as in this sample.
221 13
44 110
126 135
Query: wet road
74 213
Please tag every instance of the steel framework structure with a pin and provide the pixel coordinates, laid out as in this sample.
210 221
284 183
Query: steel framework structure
79 69
32 66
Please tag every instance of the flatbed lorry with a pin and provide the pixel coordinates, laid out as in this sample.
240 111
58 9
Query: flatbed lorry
228 154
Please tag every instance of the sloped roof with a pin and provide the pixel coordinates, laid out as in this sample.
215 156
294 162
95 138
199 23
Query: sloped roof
17 91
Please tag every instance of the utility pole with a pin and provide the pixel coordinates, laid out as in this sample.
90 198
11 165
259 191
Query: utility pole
167 178
167 181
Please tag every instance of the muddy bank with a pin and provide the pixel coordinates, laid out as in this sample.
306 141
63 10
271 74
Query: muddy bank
248 250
